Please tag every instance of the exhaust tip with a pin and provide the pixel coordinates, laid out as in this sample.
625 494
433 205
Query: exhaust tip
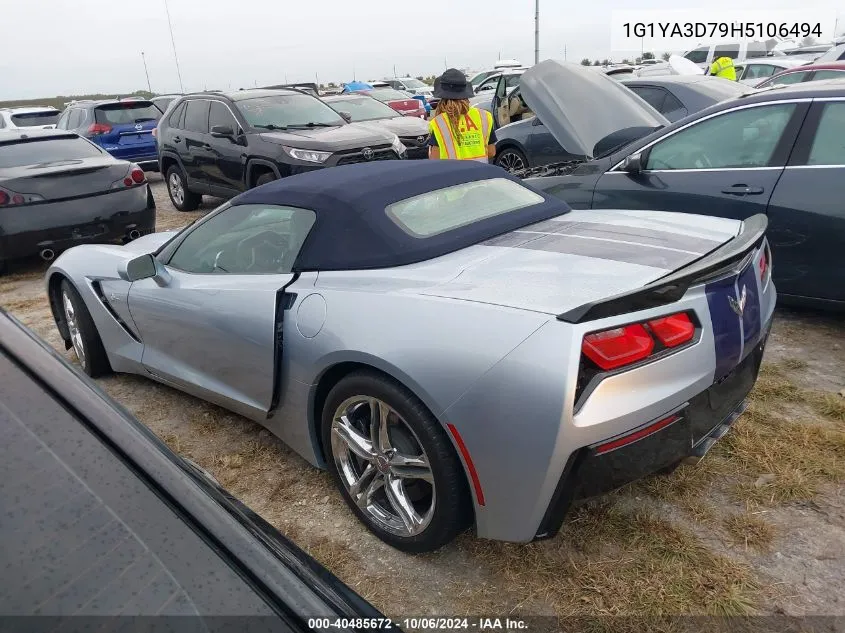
47 254
134 234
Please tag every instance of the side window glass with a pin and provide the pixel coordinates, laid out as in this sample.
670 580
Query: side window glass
697 55
75 119
742 138
829 145
671 104
828 74
63 119
655 97
175 119
219 115
245 240
789 78
196 116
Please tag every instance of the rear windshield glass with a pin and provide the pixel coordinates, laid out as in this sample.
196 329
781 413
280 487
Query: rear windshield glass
46 151
364 109
29 119
389 94
453 207
127 113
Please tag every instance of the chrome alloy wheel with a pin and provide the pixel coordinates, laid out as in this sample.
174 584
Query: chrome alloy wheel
73 328
177 191
383 466
512 161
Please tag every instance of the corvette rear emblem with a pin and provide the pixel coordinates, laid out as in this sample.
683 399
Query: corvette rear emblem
739 306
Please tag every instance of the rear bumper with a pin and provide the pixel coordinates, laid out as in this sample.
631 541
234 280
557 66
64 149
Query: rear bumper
58 226
687 432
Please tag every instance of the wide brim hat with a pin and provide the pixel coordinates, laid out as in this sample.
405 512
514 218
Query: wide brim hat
453 84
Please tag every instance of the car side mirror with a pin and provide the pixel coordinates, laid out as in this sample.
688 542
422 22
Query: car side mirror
144 267
346 116
633 164
223 131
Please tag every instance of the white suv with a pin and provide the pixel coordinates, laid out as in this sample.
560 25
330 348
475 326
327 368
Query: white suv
43 117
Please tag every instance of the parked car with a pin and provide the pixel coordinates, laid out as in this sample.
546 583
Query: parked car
806 72
358 108
102 519
122 127
402 102
833 54
775 152
509 77
740 52
221 144
529 143
392 321
29 117
498 67
162 102
410 85
753 72
58 190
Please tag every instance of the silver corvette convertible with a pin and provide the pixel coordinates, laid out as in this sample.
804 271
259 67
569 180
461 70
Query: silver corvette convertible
455 347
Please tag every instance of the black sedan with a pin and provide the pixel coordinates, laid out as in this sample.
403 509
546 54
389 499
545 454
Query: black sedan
779 152
526 142
100 518
58 190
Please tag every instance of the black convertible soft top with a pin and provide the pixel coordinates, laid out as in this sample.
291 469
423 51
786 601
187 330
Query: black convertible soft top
352 229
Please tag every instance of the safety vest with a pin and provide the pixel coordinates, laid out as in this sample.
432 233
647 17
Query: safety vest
475 128
723 67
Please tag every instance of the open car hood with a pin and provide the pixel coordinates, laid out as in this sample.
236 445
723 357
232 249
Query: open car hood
580 106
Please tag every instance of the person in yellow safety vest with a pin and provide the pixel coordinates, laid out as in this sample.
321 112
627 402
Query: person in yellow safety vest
458 130
724 68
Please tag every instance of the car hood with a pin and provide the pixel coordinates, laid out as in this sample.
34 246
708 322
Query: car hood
400 126
330 138
580 106
580 257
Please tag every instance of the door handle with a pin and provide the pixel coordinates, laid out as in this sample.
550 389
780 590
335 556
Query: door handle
743 190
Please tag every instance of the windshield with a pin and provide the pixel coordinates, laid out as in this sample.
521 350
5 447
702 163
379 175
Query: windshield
389 94
49 150
127 112
364 108
414 83
30 119
284 111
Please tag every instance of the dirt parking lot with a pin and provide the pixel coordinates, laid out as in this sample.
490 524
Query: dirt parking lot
758 527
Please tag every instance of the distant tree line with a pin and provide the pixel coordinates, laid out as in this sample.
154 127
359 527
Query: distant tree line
606 62
60 101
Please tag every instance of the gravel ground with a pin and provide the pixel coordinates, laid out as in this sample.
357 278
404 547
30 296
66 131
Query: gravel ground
737 534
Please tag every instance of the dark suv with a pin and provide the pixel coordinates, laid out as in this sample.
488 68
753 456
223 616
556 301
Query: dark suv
221 144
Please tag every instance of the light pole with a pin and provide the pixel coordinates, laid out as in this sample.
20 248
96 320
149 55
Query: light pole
536 31
146 72
173 42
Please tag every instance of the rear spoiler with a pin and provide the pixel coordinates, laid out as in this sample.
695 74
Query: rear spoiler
673 286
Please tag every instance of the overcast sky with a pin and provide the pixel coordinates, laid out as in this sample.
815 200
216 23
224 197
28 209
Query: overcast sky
52 47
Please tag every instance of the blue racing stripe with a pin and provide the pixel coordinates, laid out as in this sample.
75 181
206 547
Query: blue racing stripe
726 329
751 317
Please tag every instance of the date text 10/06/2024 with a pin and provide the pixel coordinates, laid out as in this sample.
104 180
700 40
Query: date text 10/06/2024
739 30
417 624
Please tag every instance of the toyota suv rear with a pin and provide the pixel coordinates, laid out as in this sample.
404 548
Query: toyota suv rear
221 144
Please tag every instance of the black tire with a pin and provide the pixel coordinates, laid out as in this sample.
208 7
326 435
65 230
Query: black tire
93 360
452 512
264 178
186 200
510 158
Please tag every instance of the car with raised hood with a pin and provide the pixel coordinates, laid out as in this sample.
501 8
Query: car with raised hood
402 102
102 520
448 342
363 109
776 152
122 127
58 190
804 73
221 144
28 117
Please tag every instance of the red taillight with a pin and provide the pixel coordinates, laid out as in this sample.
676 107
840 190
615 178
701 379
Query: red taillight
673 330
611 349
127 181
4 198
99 128
636 435
137 175
618 347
